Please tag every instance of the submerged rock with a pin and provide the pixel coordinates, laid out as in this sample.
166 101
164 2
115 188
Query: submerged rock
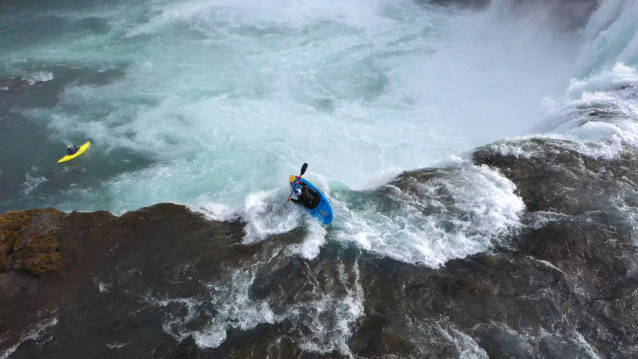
140 286
164 282
113 296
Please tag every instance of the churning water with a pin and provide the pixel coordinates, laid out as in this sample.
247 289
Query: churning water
214 103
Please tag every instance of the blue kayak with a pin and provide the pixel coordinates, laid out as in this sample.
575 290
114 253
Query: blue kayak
323 211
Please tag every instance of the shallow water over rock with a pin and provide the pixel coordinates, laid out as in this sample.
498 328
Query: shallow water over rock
166 282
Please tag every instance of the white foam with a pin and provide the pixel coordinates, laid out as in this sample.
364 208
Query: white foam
618 77
217 211
32 334
41 76
624 206
484 208
102 287
586 346
290 14
234 310
527 343
362 90
267 214
600 108
610 36
327 317
313 241
453 216
32 182
117 345
466 346
249 90
548 264
599 115
330 332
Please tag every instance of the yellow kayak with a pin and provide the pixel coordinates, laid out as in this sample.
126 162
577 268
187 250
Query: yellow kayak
79 152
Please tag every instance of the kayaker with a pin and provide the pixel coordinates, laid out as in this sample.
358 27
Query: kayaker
306 196
71 150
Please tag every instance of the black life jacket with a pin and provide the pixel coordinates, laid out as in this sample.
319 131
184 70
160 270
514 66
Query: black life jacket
309 197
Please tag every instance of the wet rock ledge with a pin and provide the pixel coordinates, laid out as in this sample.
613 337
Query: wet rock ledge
84 285
70 284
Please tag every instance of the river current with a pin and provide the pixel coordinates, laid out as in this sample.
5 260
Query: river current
214 103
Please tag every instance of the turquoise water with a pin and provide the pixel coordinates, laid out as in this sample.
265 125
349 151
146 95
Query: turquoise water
213 104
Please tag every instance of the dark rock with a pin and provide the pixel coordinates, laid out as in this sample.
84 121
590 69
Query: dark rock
551 176
564 15
112 267
146 283
29 240
472 4
13 84
185 349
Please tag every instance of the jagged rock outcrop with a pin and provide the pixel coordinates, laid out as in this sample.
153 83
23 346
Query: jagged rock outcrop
551 175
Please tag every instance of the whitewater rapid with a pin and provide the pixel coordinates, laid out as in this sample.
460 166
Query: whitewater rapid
213 104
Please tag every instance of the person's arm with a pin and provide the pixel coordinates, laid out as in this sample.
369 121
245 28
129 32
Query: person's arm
294 200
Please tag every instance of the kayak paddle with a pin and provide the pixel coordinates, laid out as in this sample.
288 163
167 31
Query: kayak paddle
303 170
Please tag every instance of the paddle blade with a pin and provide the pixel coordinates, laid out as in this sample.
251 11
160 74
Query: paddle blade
303 169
